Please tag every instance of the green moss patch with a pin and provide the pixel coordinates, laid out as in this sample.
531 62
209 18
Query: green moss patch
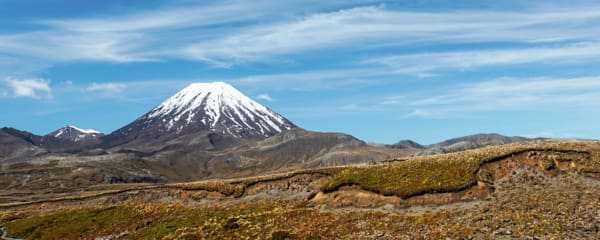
408 178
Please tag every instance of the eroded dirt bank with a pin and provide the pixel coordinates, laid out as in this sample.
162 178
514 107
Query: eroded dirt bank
530 193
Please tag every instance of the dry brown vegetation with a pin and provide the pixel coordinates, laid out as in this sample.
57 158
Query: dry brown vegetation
543 190
446 172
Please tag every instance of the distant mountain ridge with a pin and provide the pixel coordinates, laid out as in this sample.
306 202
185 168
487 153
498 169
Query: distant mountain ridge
460 143
48 141
483 138
17 144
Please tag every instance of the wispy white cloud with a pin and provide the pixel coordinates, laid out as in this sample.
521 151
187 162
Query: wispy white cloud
312 80
105 87
135 37
509 94
265 97
60 45
428 113
174 18
205 33
377 26
189 15
426 64
35 88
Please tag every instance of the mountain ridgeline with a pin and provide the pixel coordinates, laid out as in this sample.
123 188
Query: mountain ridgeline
204 131
460 143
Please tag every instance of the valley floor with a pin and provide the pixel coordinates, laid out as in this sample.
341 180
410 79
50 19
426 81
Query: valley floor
542 190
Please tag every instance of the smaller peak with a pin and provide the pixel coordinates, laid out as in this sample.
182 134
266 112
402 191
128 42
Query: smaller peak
88 131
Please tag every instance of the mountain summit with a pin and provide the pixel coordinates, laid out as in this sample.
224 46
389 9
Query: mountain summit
75 134
218 107
214 108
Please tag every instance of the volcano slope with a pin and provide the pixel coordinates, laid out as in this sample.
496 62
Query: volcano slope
530 190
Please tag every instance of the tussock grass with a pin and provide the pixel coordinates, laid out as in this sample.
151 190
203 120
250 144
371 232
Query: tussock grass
72 224
150 221
539 211
400 177
444 172
405 179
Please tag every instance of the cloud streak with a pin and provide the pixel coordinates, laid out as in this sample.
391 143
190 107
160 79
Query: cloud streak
427 64
380 27
137 37
208 33
105 87
171 19
508 94
312 80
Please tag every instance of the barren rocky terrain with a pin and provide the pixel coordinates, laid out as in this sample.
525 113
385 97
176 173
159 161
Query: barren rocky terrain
530 190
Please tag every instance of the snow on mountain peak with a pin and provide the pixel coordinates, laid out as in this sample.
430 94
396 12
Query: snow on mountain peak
75 134
88 131
210 104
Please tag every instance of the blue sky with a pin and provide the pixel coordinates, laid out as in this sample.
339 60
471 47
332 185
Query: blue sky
381 71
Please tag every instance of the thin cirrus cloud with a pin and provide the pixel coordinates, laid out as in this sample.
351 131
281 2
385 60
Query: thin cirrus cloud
187 16
427 64
378 26
31 87
312 80
105 87
504 94
142 36
61 46
174 18
136 37
197 33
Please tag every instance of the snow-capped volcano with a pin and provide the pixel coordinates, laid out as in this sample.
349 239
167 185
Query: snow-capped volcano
216 108
75 134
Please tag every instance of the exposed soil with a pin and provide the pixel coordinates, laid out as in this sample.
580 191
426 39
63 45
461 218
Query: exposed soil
532 194
305 186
